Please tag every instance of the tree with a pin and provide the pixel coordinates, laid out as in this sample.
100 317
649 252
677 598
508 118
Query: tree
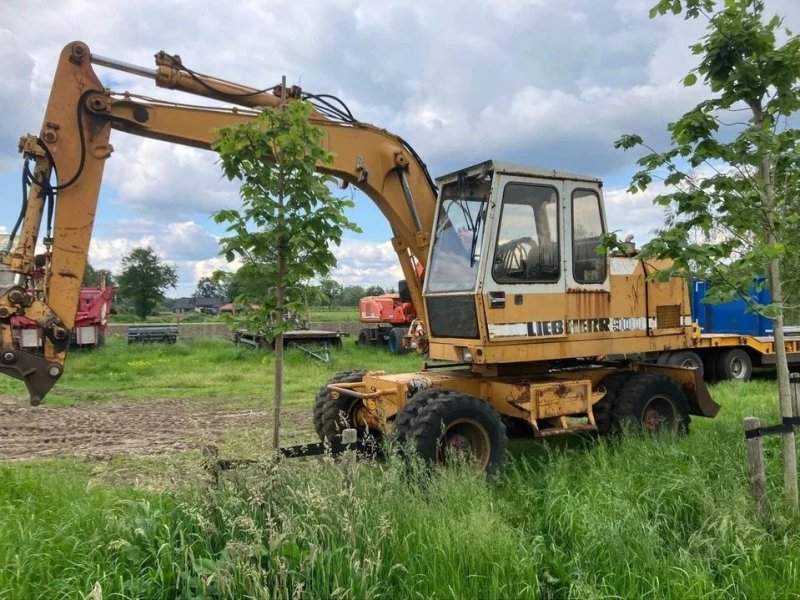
94 277
288 220
351 295
144 280
331 291
733 179
374 290
208 288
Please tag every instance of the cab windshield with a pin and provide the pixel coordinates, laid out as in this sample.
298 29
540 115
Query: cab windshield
459 236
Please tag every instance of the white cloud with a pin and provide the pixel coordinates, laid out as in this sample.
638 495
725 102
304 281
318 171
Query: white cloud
530 81
367 263
16 65
156 179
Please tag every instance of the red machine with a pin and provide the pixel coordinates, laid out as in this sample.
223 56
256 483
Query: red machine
387 318
91 321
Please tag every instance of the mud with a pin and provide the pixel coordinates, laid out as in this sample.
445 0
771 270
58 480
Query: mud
102 431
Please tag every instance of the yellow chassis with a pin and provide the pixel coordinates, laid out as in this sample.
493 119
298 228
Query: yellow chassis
552 403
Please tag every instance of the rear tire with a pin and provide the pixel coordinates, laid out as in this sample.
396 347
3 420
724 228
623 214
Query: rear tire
602 410
396 336
329 408
734 364
650 403
363 338
457 424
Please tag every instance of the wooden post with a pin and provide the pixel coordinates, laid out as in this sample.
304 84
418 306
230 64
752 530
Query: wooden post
755 462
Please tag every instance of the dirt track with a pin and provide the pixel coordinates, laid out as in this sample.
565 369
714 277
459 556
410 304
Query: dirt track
102 431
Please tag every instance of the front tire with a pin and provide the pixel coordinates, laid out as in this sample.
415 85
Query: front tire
454 424
650 403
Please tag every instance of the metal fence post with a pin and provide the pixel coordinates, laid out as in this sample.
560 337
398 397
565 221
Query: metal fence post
794 384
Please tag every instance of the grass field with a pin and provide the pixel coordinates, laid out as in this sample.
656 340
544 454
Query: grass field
570 518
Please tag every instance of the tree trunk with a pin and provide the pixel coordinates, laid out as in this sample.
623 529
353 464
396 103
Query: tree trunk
276 431
784 392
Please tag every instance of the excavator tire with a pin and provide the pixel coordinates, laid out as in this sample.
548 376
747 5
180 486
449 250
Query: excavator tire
650 403
613 384
327 418
454 423
405 417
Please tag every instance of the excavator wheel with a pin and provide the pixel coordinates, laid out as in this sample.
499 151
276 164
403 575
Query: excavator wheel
602 410
405 417
328 411
454 424
650 403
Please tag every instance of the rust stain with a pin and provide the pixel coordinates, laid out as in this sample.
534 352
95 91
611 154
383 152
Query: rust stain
523 396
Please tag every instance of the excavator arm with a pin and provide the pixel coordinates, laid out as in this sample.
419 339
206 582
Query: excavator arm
74 143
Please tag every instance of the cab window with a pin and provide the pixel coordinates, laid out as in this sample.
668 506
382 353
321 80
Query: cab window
587 227
527 239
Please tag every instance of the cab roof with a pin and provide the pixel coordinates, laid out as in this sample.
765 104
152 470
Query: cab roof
506 168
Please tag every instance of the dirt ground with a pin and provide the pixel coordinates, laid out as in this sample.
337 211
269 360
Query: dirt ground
102 431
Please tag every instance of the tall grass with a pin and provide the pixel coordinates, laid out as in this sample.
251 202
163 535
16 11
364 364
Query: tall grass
569 519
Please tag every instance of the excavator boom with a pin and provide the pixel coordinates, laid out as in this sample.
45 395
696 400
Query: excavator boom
74 143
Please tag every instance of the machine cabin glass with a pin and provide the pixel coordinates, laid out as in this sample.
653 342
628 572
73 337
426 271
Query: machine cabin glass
527 248
455 257
587 228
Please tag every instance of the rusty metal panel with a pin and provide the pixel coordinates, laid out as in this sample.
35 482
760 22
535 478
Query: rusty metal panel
562 398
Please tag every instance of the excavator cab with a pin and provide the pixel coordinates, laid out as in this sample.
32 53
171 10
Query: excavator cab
510 244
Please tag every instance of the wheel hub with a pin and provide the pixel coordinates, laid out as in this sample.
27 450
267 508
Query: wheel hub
658 415
465 438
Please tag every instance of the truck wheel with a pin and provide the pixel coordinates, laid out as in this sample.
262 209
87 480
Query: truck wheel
455 424
363 338
602 410
327 422
650 403
734 364
686 359
396 336
409 411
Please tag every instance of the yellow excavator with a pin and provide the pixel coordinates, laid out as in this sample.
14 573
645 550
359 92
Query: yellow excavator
526 326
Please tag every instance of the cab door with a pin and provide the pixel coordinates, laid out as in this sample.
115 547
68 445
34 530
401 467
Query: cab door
588 297
524 280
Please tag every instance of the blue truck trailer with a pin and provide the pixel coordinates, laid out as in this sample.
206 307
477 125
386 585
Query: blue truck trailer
731 339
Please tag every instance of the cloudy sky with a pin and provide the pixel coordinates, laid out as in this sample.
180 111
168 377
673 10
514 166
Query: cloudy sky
550 83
